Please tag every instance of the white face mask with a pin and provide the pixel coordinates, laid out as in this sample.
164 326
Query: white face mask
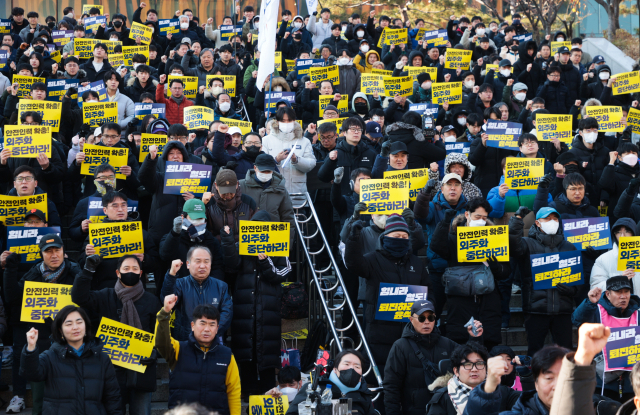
297 25
114 39
480 32
469 84
264 177
176 74
450 139
603 75
550 227
152 30
70 15
505 72
197 222
380 220
184 25
277 88
462 121
590 137
286 127
91 100
560 39
364 48
521 96
290 392
426 85
376 119
630 160
224 106
478 222
217 90
343 61
360 33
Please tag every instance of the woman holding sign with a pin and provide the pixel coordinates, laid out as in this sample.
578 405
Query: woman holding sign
78 377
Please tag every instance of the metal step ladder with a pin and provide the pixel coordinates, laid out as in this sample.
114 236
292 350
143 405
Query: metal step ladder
323 284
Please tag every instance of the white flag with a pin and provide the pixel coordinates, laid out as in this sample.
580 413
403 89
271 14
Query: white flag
268 26
312 6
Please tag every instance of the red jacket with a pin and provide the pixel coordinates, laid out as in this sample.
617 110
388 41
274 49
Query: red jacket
174 112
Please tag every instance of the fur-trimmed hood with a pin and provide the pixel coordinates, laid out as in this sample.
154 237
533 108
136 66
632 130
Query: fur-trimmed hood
132 80
280 81
296 134
417 132
591 101
441 381
458 158
461 220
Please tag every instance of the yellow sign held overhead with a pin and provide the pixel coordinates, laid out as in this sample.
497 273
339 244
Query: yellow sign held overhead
83 48
325 100
457 58
244 126
629 253
479 244
385 196
626 83
97 155
129 51
116 239
197 116
393 37
523 173
633 120
149 140
141 31
43 300
557 45
13 208
270 238
417 70
550 126
27 141
324 73
417 178
371 83
25 83
450 92
402 86
609 117
50 112
190 85
99 113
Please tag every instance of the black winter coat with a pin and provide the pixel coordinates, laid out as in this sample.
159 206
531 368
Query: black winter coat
175 246
421 152
615 180
361 399
628 206
80 385
92 74
350 157
533 78
134 89
556 95
336 43
80 214
488 165
597 159
571 77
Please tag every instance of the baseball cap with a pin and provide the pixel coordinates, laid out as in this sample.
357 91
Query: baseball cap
420 307
227 181
546 211
618 283
398 147
186 40
519 86
194 208
505 62
36 212
265 162
234 130
373 129
450 176
50 240
598 59
447 128
563 49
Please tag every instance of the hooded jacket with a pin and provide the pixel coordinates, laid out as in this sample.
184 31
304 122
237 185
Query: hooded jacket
350 157
221 213
421 152
244 162
469 190
597 159
354 44
273 199
606 265
557 96
533 78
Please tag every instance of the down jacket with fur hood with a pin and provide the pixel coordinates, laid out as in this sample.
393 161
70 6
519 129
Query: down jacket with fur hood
421 152
469 190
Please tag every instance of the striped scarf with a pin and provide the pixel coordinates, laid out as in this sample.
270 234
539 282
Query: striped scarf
459 394
51 276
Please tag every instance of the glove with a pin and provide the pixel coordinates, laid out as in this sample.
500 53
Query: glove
564 289
356 228
231 165
337 175
634 186
431 184
386 149
190 52
522 211
147 361
12 260
408 216
72 91
359 207
591 253
92 262
177 224
449 214
545 181
399 65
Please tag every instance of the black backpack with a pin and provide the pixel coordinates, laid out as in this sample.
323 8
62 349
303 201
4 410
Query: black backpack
295 301
318 338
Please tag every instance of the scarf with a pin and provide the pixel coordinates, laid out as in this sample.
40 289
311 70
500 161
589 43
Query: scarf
78 351
177 100
128 296
343 388
194 230
51 276
459 394
104 186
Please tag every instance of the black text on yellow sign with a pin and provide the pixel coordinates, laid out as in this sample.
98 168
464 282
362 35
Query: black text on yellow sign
141 31
129 51
97 155
478 244
24 84
41 300
48 110
450 92
270 238
325 73
197 116
523 173
148 140
190 84
116 239
27 141
401 86
99 113
457 58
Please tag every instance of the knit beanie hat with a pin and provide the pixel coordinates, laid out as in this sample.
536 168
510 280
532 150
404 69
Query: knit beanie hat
423 77
500 349
395 223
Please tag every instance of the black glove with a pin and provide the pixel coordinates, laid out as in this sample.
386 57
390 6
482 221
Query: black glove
71 91
146 361
231 165
522 211
409 217
634 186
564 289
449 214
591 253
190 52
358 208
13 260
431 184
356 228
545 181
92 262
386 149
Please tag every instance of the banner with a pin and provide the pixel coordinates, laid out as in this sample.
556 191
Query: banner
436 38
116 59
14 208
149 140
142 110
57 88
325 100
335 121
4 57
557 45
197 116
42 300
609 117
144 32
182 178
87 7
393 37
97 155
278 61
125 345
99 113
25 84
622 350
626 83
228 31
169 26
324 73
462 148
457 58
478 244
584 232
83 47
190 85
629 253
371 83
503 134
272 98
398 85
303 66
5 26
97 86
381 72
524 38
549 126
548 270
244 126
49 111
25 241
96 214
450 92
92 24
27 141
417 70
271 238
116 239
129 51
523 173
267 404
633 119
417 179
385 196
425 109
62 37
395 301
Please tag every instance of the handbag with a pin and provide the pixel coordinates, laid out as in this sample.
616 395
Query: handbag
289 357
144 382
468 280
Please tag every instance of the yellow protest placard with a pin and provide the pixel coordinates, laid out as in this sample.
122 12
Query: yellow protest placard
393 37
116 239
325 100
291 64
42 300
271 238
111 45
25 83
371 83
13 208
633 120
267 404
324 73
495 68
609 117
523 173
417 179
335 121
278 61
141 31
229 82
99 113
244 126
457 58
50 112
97 155
381 72
148 140
27 141
190 85
629 253
129 51
197 116
125 345
56 56
83 48
480 243
557 45
450 92
398 85
420 34
87 7
626 83
116 59
550 126
385 196
417 70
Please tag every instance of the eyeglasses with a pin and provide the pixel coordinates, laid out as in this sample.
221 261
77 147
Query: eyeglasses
478 365
180 138
355 129
106 177
27 179
110 136
327 137
430 317
575 189
553 76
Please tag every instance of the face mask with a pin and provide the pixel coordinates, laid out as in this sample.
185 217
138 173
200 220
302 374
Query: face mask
521 96
292 392
376 119
630 160
297 36
70 15
469 84
571 168
184 26
560 39
349 378
590 137
505 72
603 75
51 24
286 127
104 186
478 222
90 100
479 32
426 85
516 21
224 106
462 121
117 24
450 139
361 108
343 61
264 177
297 25
252 151
217 90
129 278
397 247
360 33
380 220
364 48
114 39
277 88
550 227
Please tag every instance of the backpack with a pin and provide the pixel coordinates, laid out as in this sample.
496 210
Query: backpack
316 340
295 301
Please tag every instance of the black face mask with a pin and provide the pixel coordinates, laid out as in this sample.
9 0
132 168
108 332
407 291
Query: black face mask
117 24
51 24
349 378
252 151
129 278
509 380
361 108
571 168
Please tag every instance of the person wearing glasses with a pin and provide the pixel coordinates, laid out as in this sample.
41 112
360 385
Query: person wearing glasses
554 92
26 184
407 375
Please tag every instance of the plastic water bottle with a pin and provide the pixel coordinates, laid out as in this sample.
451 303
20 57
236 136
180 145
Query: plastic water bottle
304 408
327 395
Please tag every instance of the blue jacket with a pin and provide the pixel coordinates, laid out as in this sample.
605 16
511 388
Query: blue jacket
221 156
503 400
511 201
191 294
